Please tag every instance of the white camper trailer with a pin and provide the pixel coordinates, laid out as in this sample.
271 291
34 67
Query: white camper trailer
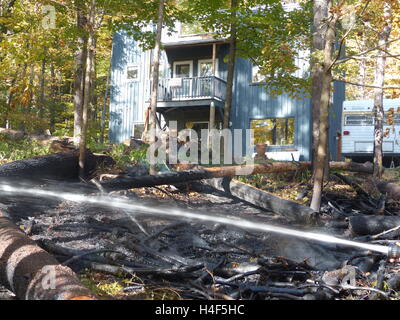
358 128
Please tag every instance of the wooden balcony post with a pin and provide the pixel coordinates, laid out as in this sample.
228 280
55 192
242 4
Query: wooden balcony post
212 105
214 67
211 124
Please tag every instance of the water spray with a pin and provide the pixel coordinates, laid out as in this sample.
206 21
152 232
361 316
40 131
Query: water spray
392 251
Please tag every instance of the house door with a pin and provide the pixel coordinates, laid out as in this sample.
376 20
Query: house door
183 70
205 82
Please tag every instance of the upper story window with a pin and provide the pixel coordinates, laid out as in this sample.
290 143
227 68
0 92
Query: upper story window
191 29
132 73
205 68
255 75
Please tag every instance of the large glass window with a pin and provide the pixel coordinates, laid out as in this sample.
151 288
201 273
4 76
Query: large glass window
273 131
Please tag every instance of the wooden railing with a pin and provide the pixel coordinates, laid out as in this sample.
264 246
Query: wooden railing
191 89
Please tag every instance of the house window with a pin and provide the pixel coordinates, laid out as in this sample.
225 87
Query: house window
138 129
205 67
132 72
190 29
273 131
183 69
256 76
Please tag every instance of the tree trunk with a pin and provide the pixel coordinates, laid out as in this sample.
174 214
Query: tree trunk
155 77
52 105
231 67
320 9
93 82
322 152
87 90
80 66
378 92
104 110
33 274
42 87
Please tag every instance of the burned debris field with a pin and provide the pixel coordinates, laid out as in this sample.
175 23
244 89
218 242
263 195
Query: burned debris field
143 254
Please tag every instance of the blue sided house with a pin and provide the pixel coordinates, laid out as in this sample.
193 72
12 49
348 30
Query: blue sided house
193 76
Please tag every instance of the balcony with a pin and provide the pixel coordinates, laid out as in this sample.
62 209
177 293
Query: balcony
195 91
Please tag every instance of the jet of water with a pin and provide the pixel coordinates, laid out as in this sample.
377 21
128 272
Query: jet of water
131 208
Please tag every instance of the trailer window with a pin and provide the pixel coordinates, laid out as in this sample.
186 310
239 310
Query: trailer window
359 120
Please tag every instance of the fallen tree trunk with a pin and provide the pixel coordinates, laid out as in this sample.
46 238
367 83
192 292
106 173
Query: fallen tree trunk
366 167
284 166
63 165
33 274
391 189
127 182
291 210
370 225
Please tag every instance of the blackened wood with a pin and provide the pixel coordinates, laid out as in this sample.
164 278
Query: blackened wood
370 225
63 165
127 182
291 210
391 189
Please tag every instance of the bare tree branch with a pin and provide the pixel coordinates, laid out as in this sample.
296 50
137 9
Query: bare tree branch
366 85
354 57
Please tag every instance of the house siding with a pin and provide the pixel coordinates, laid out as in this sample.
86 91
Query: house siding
129 99
252 101
127 96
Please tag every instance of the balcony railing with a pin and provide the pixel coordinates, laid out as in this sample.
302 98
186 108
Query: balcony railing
196 88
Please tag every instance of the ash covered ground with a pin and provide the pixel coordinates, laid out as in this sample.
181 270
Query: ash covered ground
195 260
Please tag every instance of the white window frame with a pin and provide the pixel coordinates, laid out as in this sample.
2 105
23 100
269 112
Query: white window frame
133 127
367 115
177 63
207 60
135 66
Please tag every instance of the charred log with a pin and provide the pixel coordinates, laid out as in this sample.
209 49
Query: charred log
391 189
55 166
291 210
370 225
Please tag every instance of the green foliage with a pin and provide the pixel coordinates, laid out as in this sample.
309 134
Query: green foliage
123 156
11 150
268 35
